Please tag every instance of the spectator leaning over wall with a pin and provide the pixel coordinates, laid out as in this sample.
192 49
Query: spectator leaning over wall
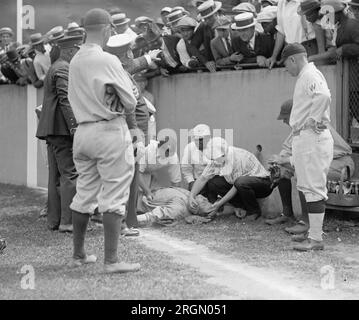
208 11
292 28
255 47
221 45
248 7
325 37
268 19
42 60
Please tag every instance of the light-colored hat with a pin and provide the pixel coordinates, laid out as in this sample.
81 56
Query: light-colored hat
120 19
166 9
337 5
200 131
6 30
215 148
222 22
119 41
243 21
175 16
208 8
56 33
267 14
74 29
142 19
244 7
186 22
36 38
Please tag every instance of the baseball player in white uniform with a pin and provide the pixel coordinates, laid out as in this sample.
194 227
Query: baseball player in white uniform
312 144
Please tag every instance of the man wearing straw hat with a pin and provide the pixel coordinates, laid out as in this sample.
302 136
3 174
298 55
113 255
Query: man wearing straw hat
312 146
121 22
42 60
255 47
221 45
6 39
208 12
103 152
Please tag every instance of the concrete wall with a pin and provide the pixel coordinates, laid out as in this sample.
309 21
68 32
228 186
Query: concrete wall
13 138
247 101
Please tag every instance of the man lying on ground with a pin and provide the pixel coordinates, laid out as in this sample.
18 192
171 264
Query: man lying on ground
170 204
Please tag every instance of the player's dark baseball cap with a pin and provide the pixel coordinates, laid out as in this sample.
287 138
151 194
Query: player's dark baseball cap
292 49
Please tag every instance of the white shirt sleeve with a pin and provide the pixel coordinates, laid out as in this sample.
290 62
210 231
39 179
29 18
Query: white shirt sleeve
182 51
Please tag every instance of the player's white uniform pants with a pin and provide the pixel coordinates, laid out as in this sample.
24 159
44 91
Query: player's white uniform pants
103 156
312 156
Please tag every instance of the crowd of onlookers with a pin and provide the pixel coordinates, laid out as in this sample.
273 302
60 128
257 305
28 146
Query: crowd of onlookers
250 34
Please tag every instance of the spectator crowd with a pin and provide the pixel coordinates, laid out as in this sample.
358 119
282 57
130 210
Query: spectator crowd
251 34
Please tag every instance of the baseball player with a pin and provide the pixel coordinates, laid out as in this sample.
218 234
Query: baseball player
103 152
312 146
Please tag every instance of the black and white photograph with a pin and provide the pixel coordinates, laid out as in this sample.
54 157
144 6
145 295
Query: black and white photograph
179 156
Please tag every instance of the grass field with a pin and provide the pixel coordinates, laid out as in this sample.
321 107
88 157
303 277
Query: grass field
30 243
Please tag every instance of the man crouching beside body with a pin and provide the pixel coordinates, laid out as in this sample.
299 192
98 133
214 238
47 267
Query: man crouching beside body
234 175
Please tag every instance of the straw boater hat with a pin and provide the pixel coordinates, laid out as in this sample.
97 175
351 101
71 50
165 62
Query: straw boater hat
56 33
36 39
166 9
243 21
267 14
338 5
244 7
120 19
118 44
6 30
208 8
223 23
74 29
142 20
307 6
175 16
186 22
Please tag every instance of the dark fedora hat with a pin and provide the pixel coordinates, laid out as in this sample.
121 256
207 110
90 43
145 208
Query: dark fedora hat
36 39
308 6
70 42
354 3
13 55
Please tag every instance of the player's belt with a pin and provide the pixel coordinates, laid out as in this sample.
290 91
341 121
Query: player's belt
306 127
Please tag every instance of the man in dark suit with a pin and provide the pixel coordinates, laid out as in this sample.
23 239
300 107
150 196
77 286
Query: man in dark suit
57 125
221 45
208 11
255 47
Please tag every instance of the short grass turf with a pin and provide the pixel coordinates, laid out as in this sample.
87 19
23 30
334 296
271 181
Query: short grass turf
30 243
